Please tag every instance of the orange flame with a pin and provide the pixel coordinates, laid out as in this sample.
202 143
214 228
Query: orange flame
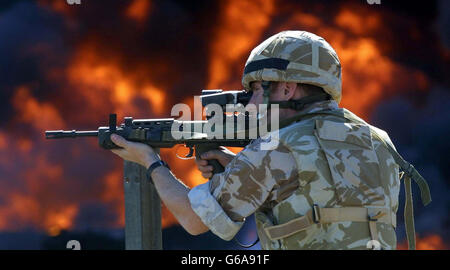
428 242
105 84
113 193
28 108
35 203
60 220
138 10
3 142
105 77
241 26
359 25
25 206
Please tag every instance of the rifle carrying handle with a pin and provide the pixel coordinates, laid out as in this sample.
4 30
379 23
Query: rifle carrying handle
202 148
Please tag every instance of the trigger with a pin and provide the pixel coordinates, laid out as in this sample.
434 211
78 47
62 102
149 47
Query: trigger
191 152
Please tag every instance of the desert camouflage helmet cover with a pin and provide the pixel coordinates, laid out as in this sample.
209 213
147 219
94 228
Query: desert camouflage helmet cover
295 56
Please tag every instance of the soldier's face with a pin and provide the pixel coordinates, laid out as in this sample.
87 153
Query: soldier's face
258 91
279 91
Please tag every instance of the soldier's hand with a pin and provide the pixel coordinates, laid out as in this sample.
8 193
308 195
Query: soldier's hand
224 156
132 151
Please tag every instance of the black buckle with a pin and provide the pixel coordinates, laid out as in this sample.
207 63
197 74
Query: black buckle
316 214
378 215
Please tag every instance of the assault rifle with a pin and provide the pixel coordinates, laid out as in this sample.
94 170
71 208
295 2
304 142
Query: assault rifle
166 133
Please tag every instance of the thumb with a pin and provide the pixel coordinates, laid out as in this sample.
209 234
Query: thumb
219 155
119 140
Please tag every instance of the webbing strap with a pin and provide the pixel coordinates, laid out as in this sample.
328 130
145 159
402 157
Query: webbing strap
373 230
409 214
410 171
289 228
330 215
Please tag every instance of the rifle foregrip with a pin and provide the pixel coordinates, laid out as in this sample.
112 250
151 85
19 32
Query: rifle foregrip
202 148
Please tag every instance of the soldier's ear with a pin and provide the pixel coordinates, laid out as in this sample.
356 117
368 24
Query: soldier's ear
289 90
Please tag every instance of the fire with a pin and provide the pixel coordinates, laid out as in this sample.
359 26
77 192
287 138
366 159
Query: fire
241 26
427 242
33 204
138 10
155 97
104 77
60 220
36 173
113 193
25 145
28 108
356 23
23 209
99 80
3 141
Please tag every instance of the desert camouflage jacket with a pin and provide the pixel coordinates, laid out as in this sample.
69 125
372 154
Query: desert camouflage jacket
324 160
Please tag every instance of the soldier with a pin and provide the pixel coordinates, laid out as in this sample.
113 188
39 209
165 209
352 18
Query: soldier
332 182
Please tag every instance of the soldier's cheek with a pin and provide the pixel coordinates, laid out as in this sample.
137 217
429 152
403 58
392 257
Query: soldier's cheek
257 98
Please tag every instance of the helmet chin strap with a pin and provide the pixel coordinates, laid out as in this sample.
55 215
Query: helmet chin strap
266 95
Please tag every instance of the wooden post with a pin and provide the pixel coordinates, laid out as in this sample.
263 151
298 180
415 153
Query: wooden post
142 210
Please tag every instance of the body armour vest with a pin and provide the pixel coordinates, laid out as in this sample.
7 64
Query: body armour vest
346 175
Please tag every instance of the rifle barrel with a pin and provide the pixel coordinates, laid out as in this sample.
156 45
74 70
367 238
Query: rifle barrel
57 134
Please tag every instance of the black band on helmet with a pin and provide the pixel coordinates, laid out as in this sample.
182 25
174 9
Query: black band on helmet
275 63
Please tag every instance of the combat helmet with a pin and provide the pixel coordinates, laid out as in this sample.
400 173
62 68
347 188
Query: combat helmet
295 56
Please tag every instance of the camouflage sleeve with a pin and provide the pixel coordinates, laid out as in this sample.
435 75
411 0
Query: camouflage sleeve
251 179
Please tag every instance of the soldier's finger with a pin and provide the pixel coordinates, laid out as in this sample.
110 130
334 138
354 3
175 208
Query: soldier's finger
118 140
207 175
212 154
119 152
201 162
205 169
